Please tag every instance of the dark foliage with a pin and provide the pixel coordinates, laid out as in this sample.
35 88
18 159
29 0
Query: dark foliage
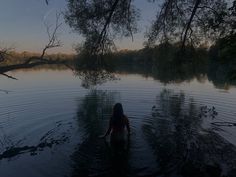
100 21
192 22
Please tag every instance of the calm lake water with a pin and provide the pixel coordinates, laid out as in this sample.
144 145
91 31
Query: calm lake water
49 126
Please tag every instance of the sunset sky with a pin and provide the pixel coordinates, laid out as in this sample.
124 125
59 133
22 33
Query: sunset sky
22 25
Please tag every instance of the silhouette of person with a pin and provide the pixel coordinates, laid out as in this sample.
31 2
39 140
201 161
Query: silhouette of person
117 124
119 145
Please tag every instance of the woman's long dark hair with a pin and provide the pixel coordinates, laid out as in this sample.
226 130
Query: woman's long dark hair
118 114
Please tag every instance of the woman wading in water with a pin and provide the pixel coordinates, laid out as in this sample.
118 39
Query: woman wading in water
119 144
118 123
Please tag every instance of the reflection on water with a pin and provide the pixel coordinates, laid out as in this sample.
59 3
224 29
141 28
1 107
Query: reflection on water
94 156
50 126
50 139
166 71
92 78
181 145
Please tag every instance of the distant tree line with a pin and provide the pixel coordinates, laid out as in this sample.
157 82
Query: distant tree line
21 57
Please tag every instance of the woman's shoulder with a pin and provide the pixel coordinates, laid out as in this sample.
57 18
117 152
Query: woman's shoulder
125 118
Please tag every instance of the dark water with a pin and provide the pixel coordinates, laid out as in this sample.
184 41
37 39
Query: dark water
49 126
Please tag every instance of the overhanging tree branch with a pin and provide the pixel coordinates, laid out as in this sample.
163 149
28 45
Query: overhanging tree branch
106 25
189 22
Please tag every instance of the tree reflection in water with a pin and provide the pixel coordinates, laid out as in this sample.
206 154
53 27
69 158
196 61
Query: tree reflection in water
91 78
58 135
92 70
181 146
94 156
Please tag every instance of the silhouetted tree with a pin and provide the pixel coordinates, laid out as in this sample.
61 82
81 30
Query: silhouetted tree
101 21
189 21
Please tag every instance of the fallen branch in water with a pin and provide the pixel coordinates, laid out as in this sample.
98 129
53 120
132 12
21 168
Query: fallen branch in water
32 64
34 61
11 77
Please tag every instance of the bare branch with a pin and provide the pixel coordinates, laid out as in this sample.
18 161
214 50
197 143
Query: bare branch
53 40
34 61
106 25
129 20
189 22
10 77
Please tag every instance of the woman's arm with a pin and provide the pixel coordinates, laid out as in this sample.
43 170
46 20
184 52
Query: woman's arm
127 125
108 130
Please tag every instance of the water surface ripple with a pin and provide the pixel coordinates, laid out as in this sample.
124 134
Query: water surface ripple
49 126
